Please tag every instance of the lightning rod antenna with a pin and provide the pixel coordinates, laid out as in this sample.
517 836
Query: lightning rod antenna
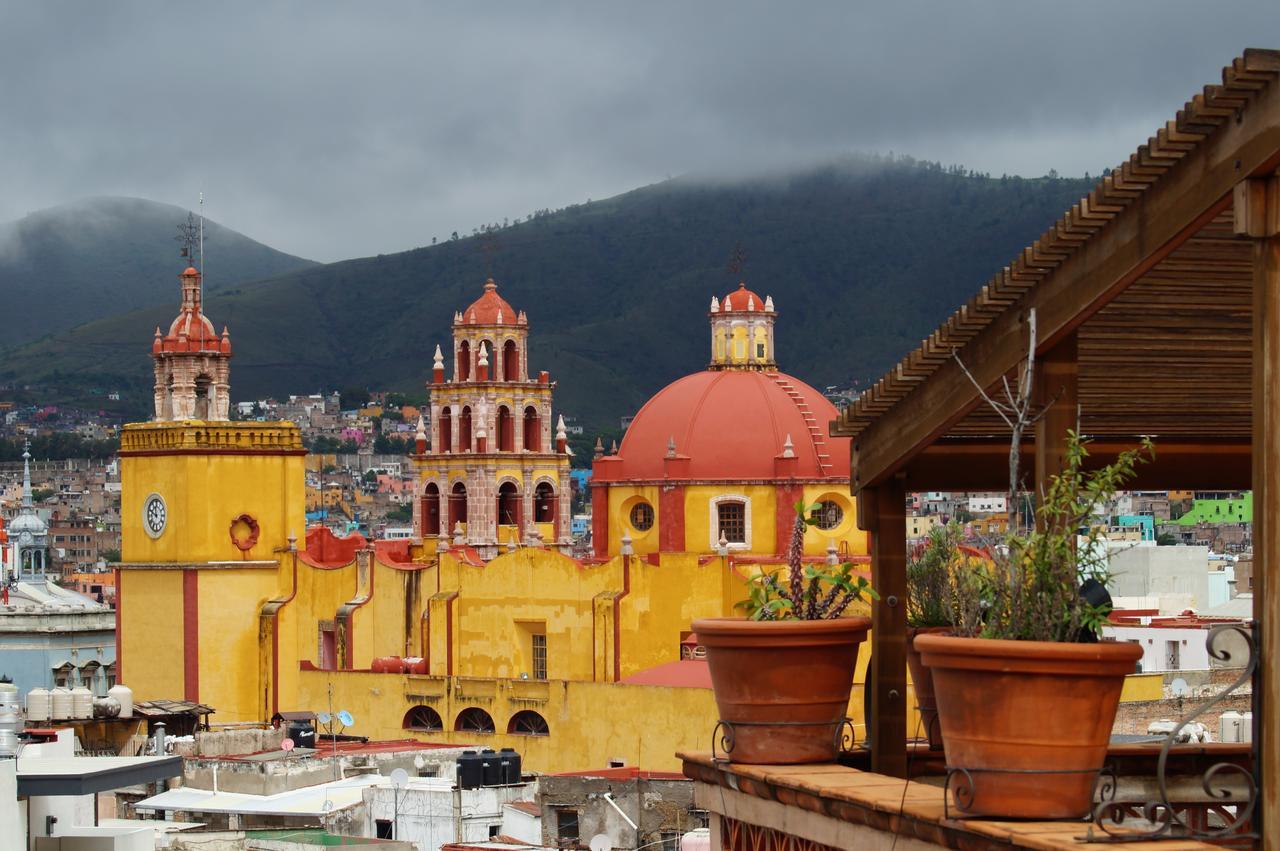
201 234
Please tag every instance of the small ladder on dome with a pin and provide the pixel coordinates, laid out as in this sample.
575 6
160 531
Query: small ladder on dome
816 434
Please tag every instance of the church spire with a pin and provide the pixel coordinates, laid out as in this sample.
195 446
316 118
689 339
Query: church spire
26 474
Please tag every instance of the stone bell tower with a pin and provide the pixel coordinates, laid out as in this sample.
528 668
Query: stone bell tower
192 363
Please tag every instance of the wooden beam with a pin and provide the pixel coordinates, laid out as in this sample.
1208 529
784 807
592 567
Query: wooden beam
1156 220
887 725
1057 387
1266 508
1181 463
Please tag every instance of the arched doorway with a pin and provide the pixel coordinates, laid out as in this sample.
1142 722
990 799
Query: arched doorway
532 429
431 510
544 503
463 372
464 429
457 505
446 429
506 435
510 361
508 505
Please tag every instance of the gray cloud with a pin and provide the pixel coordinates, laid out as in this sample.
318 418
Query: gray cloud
335 130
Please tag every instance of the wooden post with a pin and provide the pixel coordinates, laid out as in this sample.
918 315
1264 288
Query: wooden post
888 673
1257 209
1057 386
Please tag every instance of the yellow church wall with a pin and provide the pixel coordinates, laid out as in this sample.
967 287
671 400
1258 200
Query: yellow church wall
230 632
845 532
151 646
621 500
268 487
698 515
589 723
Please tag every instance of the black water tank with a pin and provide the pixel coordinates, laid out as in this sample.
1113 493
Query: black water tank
470 771
509 762
492 770
303 734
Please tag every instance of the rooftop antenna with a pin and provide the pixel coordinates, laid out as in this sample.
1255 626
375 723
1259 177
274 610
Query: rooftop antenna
189 236
201 234
489 245
737 260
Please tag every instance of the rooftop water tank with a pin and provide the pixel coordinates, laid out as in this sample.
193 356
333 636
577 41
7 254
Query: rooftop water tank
38 704
470 772
490 767
106 707
81 702
509 766
124 694
60 704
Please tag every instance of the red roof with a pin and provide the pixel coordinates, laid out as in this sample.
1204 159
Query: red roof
686 673
742 299
191 330
325 549
731 425
490 308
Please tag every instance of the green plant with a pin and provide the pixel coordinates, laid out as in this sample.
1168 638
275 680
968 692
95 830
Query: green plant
929 577
1030 590
810 593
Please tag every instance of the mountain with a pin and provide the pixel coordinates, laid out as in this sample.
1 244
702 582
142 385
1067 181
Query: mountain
78 262
863 258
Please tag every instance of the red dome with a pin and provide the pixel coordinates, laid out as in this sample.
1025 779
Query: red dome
742 299
486 309
732 424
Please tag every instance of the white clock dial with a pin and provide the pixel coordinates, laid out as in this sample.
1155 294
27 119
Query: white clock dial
154 515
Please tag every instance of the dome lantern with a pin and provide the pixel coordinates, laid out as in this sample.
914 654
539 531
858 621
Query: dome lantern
742 331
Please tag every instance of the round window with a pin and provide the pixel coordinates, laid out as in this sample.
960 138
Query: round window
642 516
829 514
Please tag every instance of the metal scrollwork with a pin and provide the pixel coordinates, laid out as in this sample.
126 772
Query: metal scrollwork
843 734
961 791
1162 819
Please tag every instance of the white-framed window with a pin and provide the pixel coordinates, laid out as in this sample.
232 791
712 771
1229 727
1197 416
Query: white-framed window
731 516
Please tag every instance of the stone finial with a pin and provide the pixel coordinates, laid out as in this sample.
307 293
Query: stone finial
788 448
627 549
522 319
293 541
438 359
472 319
498 319
671 446
422 428
457 316
768 303
458 539
613 448
751 302
484 354
833 557
715 305
723 546
599 453
561 434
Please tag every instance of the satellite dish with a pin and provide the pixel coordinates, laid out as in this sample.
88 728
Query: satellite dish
286 745
323 718
1179 687
601 842
345 717
399 778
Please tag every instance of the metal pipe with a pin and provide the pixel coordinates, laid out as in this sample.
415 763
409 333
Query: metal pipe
608 796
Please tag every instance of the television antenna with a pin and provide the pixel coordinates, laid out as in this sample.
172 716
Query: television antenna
399 780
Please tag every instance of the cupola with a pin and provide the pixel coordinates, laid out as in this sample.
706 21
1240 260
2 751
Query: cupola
742 331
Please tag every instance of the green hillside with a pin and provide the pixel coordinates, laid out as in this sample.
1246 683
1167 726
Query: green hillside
862 258
78 262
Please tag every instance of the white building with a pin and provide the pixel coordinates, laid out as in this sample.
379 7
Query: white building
1177 574
432 811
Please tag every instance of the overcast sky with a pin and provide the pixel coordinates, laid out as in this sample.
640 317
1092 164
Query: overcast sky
341 130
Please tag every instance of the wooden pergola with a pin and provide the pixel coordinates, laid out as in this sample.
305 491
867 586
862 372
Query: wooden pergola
1157 305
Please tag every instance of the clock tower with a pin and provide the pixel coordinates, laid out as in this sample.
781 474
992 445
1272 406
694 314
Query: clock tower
207 503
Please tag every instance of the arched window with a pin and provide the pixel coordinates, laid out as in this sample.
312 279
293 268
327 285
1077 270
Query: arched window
532 429
424 719
202 397
463 372
446 429
506 435
431 510
473 719
544 503
464 429
457 505
526 722
510 361
508 505
731 519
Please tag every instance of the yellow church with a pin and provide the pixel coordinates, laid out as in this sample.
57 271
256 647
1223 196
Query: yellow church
481 630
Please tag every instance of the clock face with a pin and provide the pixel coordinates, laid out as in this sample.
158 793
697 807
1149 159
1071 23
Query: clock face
154 515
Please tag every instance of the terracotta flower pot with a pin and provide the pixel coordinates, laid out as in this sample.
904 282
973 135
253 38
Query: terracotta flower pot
1026 723
782 687
922 679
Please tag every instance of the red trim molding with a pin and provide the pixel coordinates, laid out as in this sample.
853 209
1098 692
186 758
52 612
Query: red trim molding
190 635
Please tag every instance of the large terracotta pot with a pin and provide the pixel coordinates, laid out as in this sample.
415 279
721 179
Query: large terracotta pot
1026 723
922 679
782 687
